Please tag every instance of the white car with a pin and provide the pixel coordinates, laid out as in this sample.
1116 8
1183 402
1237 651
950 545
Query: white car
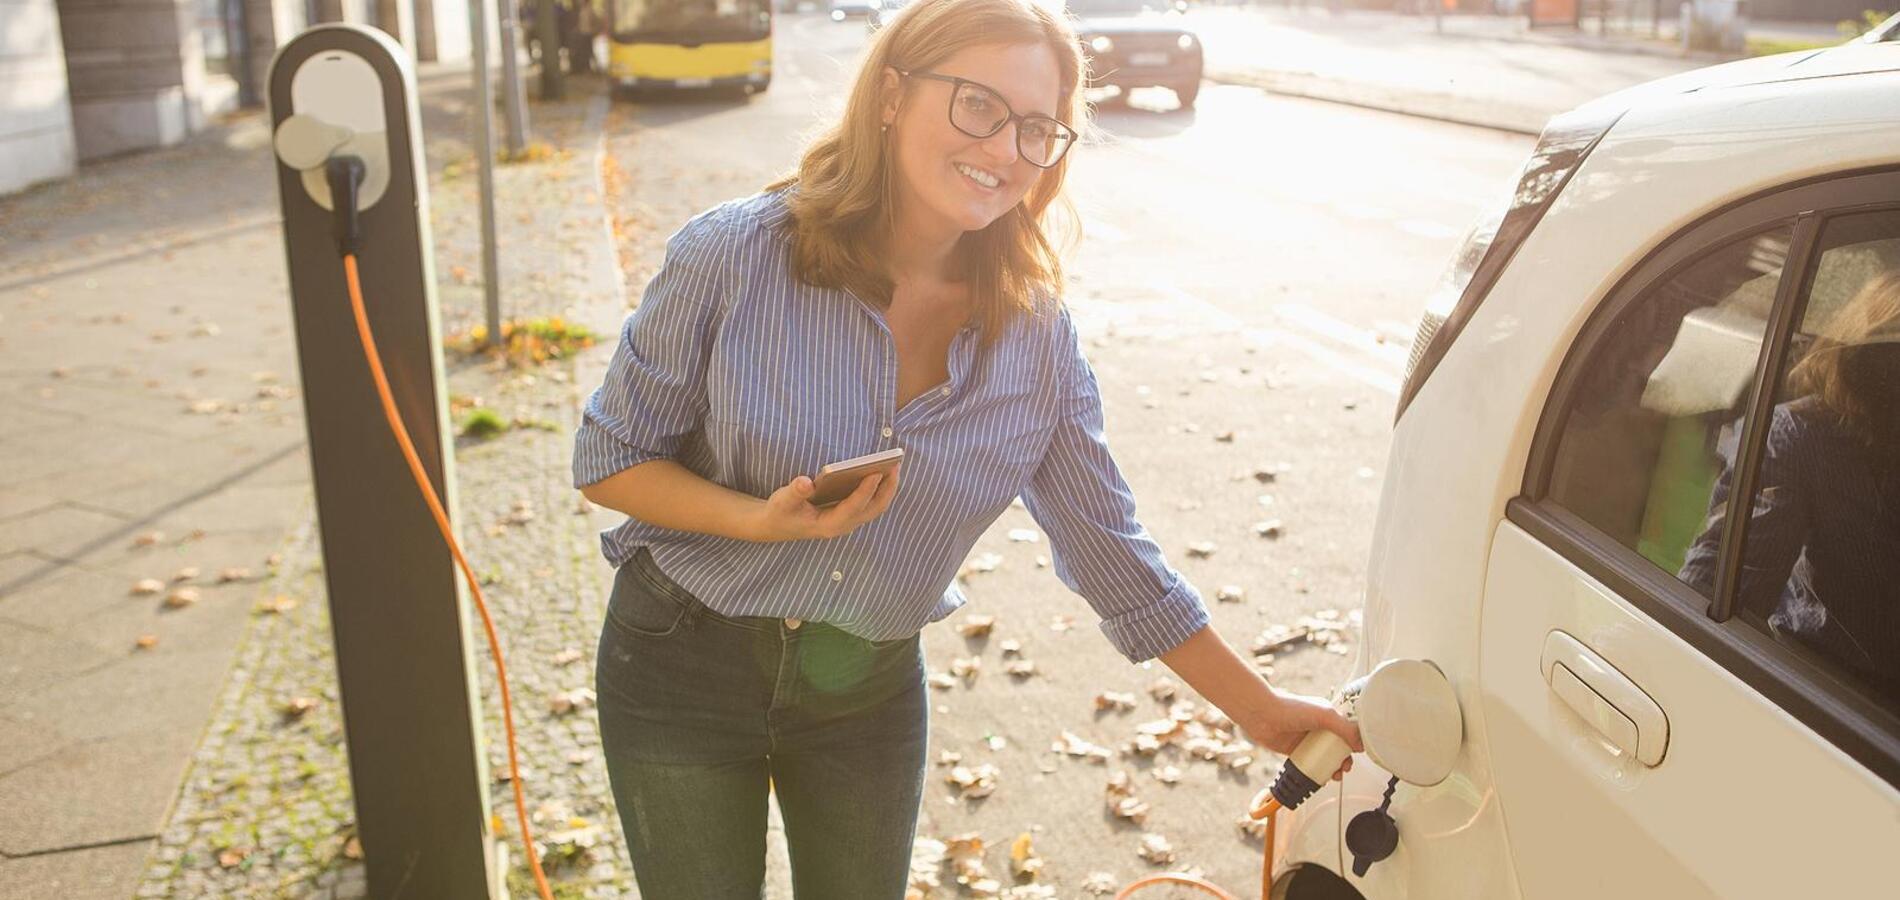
1690 306
848 9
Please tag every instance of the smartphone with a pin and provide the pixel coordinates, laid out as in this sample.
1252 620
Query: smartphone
837 480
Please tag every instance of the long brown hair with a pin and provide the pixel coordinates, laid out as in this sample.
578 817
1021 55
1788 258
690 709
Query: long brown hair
843 196
1853 370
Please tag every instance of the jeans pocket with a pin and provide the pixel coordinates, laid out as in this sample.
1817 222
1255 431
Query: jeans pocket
892 644
640 608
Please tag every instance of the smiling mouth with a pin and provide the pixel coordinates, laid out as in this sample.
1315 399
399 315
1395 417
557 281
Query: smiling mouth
985 179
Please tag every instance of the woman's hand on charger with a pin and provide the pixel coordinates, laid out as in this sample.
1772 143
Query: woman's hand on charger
788 515
1285 720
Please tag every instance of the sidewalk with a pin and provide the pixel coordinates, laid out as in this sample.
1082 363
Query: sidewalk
1489 71
153 387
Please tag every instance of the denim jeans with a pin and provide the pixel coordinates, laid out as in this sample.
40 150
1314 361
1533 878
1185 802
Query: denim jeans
701 714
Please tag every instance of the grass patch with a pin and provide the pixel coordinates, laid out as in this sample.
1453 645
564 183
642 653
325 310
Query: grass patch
528 341
483 422
535 151
521 884
1771 46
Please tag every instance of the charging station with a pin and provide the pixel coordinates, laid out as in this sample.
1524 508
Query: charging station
399 616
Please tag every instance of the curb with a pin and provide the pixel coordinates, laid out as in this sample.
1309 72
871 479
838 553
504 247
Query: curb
1474 112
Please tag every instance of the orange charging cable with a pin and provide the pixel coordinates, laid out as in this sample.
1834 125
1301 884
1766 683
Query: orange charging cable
442 524
1265 807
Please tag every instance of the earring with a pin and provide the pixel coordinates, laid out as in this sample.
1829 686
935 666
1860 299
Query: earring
884 127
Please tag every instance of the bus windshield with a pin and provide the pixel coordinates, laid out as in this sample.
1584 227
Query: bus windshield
691 21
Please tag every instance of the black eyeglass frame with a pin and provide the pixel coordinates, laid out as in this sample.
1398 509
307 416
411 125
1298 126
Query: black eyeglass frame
950 111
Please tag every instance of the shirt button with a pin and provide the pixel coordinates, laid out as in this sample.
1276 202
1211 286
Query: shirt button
887 431
793 624
945 392
837 575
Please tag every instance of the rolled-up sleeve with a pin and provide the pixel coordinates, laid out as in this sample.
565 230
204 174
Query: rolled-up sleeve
654 392
1101 551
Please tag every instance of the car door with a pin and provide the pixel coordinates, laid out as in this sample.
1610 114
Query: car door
1665 716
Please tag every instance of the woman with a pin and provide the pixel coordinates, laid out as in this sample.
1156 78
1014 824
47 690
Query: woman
1818 562
896 291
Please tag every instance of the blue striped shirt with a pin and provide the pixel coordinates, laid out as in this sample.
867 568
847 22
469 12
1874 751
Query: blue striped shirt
748 377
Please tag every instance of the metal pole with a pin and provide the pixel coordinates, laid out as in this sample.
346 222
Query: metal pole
485 164
511 99
549 32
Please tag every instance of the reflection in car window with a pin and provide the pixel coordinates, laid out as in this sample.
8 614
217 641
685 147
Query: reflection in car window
1659 406
1821 548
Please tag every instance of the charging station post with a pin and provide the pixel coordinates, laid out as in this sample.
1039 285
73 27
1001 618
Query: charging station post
399 615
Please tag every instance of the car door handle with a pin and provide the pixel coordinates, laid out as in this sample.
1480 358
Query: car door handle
1606 698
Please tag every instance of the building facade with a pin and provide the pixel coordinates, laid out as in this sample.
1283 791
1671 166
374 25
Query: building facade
86 79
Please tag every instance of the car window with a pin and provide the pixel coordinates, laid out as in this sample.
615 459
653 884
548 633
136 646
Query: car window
1660 404
1820 569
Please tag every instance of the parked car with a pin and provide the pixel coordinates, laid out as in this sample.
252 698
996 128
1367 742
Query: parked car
1139 43
885 12
1641 510
853 9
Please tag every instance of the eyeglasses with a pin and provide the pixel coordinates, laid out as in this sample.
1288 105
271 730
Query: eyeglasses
979 112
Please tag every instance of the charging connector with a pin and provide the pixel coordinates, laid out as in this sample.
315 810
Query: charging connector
345 176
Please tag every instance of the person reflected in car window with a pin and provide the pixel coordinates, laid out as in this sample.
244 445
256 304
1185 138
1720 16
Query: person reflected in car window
1821 556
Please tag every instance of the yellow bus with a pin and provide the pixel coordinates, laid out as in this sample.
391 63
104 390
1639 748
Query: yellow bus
689 44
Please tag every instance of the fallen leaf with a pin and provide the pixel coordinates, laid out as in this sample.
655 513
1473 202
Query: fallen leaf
1156 849
974 784
185 574
1061 623
949 758
1231 593
148 539
1163 690
296 707
1021 668
1111 700
181 598
1023 861
569 656
926 860
225 576
1025 535
571 701
965 853
148 586
1074 745
942 681
1168 775
147 641
976 626
1011 647
282 603
1225 437
966 668
1100 883
1202 549
1271 529
232 857
353 848
1122 802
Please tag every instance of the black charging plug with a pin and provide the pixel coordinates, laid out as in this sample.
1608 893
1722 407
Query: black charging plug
345 175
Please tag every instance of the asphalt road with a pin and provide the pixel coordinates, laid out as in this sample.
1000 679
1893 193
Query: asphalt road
1252 266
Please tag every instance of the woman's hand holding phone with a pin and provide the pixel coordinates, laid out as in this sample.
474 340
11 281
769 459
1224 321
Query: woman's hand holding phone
788 515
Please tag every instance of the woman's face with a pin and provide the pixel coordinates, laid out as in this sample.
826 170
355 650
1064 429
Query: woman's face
948 177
